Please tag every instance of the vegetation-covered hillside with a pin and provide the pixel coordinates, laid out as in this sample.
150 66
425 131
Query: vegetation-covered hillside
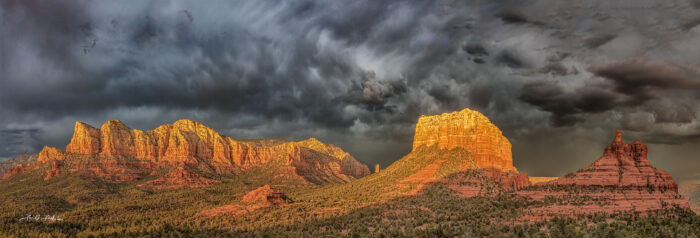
413 197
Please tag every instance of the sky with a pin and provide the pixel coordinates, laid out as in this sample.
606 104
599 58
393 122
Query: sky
558 78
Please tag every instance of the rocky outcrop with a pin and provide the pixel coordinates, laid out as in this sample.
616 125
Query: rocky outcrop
22 159
622 180
622 165
261 197
54 170
486 182
470 130
13 171
50 154
507 179
114 148
266 195
86 140
179 177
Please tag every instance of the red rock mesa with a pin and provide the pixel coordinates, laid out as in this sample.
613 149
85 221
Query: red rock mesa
470 130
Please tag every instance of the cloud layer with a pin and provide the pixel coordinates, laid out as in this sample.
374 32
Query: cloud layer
357 74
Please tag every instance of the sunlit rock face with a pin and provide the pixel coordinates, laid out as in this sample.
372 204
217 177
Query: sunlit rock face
86 140
193 144
50 153
266 195
470 130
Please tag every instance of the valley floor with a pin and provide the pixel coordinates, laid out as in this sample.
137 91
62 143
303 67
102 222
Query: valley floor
370 207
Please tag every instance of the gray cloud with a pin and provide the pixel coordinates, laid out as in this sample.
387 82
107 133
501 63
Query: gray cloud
355 74
637 85
635 75
597 41
17 141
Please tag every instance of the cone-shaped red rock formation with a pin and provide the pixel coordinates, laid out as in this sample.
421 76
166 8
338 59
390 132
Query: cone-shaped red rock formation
622 165
622 180
470 130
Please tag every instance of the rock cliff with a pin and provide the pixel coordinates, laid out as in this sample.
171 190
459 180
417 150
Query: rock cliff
622 180
462 150
20 168
116 147
470 130
622 165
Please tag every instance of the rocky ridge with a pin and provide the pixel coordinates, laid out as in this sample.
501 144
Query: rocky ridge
119 153
22 159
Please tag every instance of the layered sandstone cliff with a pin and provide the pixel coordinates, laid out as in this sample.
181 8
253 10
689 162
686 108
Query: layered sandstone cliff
462 150
470 130
192 144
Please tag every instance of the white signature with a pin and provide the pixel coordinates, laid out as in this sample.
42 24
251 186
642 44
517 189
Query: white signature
30 217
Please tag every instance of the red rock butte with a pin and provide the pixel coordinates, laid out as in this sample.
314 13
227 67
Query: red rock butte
630 183
192 143
470 130
622 165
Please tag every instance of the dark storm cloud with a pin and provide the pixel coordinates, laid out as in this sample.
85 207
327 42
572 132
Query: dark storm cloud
510 59
357 74
636 75
567 107
556 69
321 65
597 41
476 50
638 84
373 94
691 23
163 58
512 16
17 141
